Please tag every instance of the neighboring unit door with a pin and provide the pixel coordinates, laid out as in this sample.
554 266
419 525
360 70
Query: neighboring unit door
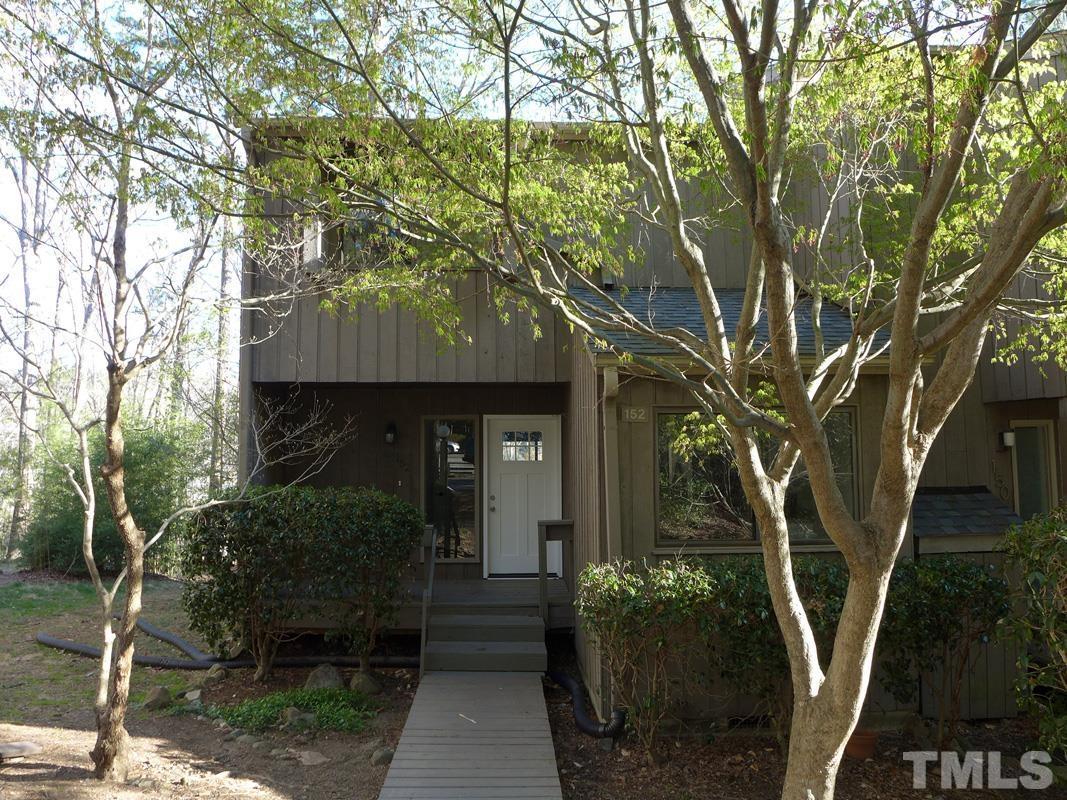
523 486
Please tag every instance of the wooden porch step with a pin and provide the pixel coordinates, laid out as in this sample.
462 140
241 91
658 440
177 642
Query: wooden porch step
486 628
482 656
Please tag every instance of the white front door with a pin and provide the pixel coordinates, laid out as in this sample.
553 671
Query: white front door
523 486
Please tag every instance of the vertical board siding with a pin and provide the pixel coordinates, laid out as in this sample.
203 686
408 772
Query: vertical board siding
988 687
1027 378
583 420
393 345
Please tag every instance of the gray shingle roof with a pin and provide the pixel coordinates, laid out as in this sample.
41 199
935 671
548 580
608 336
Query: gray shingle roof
677 307
969 509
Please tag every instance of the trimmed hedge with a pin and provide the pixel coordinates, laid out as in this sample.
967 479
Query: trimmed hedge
252 562
719 610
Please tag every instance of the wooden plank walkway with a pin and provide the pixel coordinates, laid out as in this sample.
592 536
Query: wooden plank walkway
476 735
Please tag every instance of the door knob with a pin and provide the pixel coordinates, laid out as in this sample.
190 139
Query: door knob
492 508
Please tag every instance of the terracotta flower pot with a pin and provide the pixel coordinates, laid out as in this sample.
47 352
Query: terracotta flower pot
860 745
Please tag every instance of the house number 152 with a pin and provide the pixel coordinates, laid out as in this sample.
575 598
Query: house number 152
634 414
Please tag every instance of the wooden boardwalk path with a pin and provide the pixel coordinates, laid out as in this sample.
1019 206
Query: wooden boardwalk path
475 735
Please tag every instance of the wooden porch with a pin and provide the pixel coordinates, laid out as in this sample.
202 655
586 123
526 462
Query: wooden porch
498 596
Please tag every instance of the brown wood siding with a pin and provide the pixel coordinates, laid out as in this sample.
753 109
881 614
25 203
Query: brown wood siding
586 499
988 687
1027 378
308 345
398 468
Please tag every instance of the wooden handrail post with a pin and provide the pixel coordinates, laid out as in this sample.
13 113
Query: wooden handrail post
542 570
429 542
555 530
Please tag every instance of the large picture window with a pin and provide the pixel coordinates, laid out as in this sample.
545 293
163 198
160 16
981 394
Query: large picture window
699 496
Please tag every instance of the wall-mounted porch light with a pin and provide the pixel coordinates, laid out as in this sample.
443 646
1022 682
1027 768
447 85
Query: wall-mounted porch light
390 433
1007 438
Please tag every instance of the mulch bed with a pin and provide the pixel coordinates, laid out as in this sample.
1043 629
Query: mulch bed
746 765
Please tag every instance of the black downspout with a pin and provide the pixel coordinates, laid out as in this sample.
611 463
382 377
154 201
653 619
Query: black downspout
598 730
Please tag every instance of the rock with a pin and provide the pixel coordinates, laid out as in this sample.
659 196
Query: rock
236 732
279 752
381 756
365 683
192 695
224 774
9 751
222 724
324 676
158 697
293 717
214 676
260 745
311 758
195 706
247 738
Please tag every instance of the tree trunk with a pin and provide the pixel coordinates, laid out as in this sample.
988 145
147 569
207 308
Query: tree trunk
111 755
215 479
24 465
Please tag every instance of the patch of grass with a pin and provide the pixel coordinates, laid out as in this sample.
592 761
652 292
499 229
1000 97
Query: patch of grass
335 709
23 600
38 683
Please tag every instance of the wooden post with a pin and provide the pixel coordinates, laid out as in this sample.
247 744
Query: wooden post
542 569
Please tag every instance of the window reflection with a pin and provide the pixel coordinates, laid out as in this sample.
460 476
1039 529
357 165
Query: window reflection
522 446
451 488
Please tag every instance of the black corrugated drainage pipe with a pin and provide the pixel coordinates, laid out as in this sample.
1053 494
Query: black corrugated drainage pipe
598 730
200 660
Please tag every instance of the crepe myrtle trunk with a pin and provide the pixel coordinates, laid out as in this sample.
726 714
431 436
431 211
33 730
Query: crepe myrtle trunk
824 720
111 755
826 705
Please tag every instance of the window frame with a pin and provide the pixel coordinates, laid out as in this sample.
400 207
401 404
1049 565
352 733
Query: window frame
754 544
476 424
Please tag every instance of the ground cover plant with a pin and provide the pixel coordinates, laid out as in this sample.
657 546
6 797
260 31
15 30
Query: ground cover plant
334 710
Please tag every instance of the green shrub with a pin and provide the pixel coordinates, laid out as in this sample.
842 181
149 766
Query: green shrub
364 555
334 709
745 644
937 609
1037 551
161 465
643 620
247 564
251 563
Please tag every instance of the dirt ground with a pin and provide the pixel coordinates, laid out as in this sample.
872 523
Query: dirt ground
45 697
748 766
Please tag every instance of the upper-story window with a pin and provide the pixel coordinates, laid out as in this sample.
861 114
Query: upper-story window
700 500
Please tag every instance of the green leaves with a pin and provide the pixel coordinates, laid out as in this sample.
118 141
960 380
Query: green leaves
334 709
1037 552
937 609
253 563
